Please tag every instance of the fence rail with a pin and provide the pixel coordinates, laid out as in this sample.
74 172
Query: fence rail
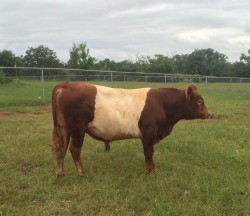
65 74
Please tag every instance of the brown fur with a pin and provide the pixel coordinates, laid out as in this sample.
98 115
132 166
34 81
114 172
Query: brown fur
73 106
164 108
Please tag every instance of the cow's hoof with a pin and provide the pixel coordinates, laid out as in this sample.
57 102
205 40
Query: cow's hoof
150 173
59 175
150 169
81 173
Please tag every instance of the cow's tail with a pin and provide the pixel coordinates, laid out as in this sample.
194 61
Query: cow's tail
56 138
54 105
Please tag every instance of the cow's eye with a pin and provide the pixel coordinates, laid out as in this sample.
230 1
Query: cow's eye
199 102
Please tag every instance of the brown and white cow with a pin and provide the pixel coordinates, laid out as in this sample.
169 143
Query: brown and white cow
109 114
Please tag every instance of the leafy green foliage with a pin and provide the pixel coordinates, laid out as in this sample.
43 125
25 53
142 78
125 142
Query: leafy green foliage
8 59
157 64
207 62
106 65
80 57
3 78
41 56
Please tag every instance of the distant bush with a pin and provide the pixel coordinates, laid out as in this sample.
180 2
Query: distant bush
3 78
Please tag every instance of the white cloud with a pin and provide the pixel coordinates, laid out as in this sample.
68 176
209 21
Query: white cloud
205 35
142 10
242 40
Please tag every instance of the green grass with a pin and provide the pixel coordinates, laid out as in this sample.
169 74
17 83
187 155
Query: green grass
203 167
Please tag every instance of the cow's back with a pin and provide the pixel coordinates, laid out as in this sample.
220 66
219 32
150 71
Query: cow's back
117 112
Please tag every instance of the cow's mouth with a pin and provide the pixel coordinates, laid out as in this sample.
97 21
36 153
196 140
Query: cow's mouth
205 116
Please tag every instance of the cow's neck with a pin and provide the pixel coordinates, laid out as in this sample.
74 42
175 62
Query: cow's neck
175 108
175 111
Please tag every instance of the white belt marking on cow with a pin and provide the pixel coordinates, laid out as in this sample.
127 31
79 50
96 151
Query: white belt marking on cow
117 112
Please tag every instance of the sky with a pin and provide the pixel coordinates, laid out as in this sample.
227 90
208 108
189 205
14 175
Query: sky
125 29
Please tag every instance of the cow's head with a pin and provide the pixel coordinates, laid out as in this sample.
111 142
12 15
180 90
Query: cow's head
195 106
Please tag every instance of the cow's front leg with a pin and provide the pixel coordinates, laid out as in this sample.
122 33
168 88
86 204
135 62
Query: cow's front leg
148 147
107 146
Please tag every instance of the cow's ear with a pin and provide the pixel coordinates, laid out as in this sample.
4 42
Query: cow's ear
190 91
194 87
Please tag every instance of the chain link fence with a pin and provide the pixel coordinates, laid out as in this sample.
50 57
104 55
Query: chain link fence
64 74
43 76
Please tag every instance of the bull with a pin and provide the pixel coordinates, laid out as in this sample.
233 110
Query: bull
110 114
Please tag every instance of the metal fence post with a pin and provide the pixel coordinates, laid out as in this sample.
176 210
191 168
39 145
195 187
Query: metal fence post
111 77
43 85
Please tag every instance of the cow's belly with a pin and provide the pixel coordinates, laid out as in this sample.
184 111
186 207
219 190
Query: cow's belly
114 129
117 112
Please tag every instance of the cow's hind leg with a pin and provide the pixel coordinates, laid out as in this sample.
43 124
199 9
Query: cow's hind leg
77 138
60 142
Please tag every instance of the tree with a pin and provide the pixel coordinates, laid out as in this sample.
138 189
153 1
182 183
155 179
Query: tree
41 56
160 64
80 57
207 62
181 64
126 65
142 63
106 65
242 68
8 59
245 58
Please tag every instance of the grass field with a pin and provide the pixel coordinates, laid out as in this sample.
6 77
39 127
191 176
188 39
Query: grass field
203 167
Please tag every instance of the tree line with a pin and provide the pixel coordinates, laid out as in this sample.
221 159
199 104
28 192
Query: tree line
207 62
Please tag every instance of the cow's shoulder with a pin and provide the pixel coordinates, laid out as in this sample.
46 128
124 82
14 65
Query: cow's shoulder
155 99
153 111
160 102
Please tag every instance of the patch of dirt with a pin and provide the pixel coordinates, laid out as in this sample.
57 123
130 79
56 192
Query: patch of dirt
217 116
10 114
28 167
48 108
4 114
27 111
